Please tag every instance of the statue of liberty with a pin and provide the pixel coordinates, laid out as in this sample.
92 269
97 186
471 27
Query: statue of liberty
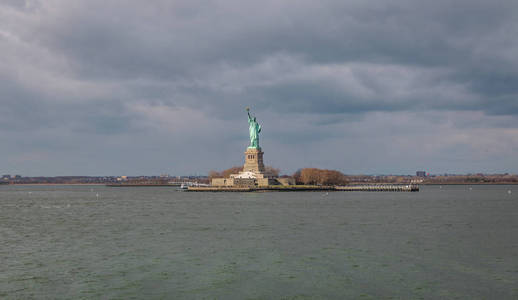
254 128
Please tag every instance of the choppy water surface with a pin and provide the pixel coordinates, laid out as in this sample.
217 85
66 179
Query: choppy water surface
92 241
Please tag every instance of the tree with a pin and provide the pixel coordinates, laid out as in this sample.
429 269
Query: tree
297 176
214 174
234 170
272 170
314 176
309 175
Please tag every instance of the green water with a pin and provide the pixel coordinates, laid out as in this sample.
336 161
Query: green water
90 242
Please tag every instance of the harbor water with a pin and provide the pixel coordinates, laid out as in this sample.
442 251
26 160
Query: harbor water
90 242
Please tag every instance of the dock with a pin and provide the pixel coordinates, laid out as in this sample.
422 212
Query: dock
380 188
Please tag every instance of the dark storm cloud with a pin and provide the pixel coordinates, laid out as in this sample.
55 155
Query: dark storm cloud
182 42
127 71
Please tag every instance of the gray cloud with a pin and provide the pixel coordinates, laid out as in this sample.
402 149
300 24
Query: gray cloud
334 79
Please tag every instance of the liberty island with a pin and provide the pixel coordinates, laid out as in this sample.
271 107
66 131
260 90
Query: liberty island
254 176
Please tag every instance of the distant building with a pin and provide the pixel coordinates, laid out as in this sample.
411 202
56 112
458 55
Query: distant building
420 174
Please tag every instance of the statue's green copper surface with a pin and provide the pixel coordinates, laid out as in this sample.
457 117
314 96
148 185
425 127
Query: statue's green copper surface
254 128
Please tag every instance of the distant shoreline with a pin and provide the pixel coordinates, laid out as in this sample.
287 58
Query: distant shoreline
353 183
55 184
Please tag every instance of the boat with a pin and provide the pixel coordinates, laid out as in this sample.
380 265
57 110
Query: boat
186 185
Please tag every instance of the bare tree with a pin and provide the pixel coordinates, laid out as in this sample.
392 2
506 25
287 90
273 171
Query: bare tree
314 176
214 174
269 169
234 170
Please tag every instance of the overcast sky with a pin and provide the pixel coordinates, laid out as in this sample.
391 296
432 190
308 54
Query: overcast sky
97 87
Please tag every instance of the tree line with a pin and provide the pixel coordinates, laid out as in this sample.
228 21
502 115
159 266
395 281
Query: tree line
314 176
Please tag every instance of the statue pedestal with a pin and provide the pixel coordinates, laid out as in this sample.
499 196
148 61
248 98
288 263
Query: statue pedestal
254 161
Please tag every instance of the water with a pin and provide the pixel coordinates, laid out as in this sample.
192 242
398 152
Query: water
69 242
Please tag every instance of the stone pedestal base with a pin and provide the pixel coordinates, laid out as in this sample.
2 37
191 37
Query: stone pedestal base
254 160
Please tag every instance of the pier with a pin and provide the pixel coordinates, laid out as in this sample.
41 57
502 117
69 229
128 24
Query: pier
380 188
